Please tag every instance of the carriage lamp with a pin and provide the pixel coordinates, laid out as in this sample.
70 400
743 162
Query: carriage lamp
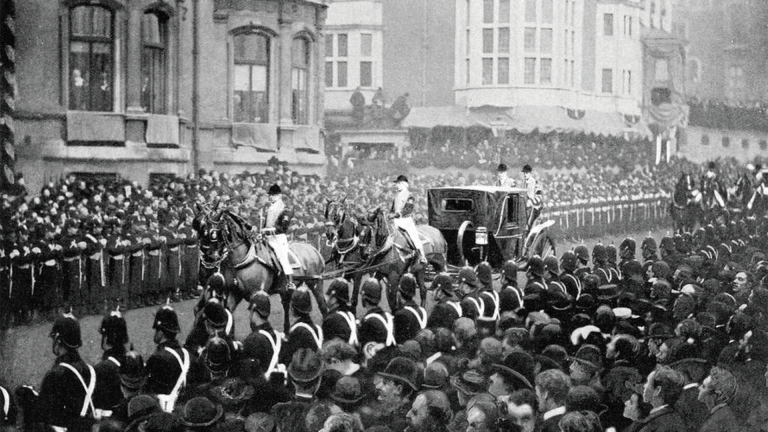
481 236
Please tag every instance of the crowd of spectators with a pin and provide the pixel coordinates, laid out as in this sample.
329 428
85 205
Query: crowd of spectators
728 115
90 244
667 335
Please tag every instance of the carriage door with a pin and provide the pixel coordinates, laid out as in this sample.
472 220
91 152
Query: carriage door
508 234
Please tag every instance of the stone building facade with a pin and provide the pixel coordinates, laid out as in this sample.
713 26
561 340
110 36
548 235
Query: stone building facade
156 87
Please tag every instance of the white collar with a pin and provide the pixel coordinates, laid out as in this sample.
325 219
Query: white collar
691 385
553 412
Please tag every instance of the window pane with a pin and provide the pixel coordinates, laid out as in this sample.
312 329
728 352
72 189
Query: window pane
487 11
607 81
259 78
342 45
150 28
91 59
242 76
299 96
608 24
530 10
487 40
366 74
329 45
487 71
546 71
546 41
530 71
503 75
300 52
329 74
503 11
251 48
366 42
341 71
504 39
529 39
546 11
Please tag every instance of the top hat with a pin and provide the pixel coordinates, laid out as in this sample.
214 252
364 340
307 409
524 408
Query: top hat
401 178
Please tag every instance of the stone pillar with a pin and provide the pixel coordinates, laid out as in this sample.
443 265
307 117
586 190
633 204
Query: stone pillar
133 62
284 89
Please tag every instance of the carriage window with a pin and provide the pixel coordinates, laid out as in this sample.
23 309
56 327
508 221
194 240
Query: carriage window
456 204
512 207
705 140
763 145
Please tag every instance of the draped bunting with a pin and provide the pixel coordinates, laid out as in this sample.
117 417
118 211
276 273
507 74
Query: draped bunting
668 115
262 137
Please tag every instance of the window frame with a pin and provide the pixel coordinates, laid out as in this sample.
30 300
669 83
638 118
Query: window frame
302 114
164 23
270 38
90 40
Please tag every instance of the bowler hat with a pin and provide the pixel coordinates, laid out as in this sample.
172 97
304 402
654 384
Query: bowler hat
404 371
435 376
200 412
347 391
589 355
305 366
470 382
401 178
514 365
159 422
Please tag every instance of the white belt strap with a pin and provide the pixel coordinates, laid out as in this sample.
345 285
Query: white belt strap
456 307
168 401
276 343
317 333
88 401
420 317
350 319
230 323
388 324
6 402
114 360
495 297
479 305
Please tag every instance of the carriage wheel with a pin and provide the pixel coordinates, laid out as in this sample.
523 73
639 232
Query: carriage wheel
465 240
546 247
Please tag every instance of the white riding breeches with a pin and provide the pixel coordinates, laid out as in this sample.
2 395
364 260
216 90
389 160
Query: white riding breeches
409 227
279 243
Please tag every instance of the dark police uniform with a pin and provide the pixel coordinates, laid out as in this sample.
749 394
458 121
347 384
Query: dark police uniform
408 321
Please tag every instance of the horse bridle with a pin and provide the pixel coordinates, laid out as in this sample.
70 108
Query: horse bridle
343 245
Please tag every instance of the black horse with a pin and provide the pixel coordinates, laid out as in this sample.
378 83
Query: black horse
683 208
370 244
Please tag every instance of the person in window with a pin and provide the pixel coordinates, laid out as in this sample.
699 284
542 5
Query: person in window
78 84
402 208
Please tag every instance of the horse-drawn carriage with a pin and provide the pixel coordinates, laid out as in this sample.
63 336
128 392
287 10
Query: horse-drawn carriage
487 223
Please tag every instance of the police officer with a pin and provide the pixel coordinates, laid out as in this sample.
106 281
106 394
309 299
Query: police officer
572 284
264 343
447 308
114 337
376 325
303 333
340 323
168 366
410 318
66 394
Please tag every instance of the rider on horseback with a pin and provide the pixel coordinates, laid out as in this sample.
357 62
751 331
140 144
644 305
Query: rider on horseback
275 227
402 208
